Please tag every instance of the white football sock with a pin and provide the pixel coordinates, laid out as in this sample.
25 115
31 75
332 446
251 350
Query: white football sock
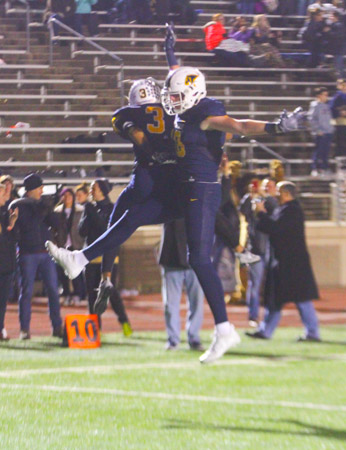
81 258
223 328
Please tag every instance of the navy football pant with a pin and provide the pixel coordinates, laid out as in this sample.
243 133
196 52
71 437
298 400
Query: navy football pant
150 198
200 202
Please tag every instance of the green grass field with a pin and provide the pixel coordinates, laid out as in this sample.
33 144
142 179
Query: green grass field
131 394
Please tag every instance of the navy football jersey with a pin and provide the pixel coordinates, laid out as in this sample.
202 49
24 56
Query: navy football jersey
199 152
156 125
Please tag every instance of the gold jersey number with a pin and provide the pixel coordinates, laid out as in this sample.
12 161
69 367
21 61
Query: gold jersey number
179 146
159 123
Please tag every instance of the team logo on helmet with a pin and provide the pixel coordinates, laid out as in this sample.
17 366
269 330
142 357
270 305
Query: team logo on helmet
190 80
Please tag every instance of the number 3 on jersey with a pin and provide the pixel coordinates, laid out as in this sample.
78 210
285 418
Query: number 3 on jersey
179 146
159 123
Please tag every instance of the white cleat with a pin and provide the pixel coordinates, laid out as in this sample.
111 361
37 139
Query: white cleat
66 259
220 345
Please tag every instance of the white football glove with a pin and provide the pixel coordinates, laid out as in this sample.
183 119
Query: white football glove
293 121
170 36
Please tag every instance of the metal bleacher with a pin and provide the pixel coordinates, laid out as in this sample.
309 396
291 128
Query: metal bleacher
85 88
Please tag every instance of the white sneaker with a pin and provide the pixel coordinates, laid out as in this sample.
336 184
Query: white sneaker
66 259
219 346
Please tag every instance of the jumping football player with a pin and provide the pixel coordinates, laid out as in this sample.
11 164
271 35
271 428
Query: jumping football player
199 137
200 127
151 196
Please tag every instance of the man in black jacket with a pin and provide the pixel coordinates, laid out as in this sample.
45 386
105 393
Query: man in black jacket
290 277
62 10
313 38
7 257
32 228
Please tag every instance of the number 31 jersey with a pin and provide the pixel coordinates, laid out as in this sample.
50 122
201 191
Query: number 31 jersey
156 125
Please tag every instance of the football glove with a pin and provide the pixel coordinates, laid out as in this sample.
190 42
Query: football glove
170 37
293 121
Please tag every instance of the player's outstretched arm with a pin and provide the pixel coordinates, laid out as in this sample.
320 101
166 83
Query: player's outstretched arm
169 47
287 122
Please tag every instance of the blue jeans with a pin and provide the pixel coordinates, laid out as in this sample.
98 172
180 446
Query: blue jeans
321 152
89 19
339 65
29 265
255 277
307 314
225 265
5 287
172 287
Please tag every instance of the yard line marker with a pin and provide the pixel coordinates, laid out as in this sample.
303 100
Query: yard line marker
144 366
271 361
175 397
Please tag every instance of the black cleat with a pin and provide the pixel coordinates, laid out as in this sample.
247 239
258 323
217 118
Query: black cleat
255 335
102 299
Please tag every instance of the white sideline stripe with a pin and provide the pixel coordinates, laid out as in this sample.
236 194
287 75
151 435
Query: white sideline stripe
278 362
175 397
144 366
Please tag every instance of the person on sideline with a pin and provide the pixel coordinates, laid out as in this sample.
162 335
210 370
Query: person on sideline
175 273
33 228
7 257
290 277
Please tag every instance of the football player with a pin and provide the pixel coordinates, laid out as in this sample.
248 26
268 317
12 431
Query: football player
150 197
200 126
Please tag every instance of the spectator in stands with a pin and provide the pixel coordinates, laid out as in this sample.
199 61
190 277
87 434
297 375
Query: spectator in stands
313 38
69 213
7 257
264 42
33 228
84 16
335 36
82 193
240 30
314 6
287 7
93 223
338 107
139 11
290 278
185 12
246 6
320 118
175 273
302 7
229 52
162 9
62 10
